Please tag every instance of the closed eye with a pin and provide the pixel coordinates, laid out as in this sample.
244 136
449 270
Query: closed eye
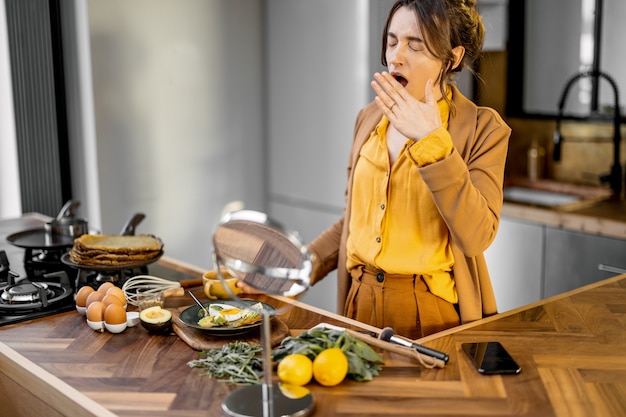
413 42
416 46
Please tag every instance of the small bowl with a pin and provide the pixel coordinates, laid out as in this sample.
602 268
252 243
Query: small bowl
132 318
115 328
96 325
81 310
147 300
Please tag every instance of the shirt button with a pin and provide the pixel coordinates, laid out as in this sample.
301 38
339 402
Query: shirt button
378 239
382 206
380 277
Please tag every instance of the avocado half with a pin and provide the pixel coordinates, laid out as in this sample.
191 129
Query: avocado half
156 319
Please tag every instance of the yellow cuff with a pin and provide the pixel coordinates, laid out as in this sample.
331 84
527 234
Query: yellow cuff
431 148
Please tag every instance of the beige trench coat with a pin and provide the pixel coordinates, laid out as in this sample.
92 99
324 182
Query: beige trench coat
467 188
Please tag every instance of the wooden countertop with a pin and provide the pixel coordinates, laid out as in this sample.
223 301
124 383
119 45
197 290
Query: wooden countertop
595 213
606 218
570 347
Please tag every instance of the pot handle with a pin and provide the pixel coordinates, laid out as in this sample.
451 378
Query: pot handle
67 210
129 227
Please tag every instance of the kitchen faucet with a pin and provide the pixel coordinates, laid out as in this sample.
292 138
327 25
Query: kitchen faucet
615 177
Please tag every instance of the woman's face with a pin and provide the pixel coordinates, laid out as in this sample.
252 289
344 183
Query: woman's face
408 59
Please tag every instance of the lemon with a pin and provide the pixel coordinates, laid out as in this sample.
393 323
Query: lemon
293 391
330 367
295 369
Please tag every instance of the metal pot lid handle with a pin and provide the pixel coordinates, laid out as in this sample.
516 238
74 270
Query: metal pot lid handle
129 227
67 211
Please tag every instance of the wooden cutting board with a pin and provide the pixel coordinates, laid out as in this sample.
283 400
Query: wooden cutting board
200 340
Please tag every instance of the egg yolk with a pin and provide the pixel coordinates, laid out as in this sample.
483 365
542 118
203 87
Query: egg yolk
230 312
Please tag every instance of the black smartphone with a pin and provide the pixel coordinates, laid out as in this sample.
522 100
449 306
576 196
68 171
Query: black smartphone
491 358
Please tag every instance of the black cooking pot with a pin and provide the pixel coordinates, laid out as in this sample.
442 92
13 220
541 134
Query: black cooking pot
65 223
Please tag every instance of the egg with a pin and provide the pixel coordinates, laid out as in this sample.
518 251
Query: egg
95 311
94 296
114 314
109 299
116 291
105 287
226 311
82 294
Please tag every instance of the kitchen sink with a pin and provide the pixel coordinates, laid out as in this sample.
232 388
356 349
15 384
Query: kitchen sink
551 193
538 197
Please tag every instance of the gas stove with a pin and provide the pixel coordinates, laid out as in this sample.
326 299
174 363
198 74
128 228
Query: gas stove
23 298
48 286
38 280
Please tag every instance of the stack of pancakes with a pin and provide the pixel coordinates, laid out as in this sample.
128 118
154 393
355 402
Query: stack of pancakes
115 250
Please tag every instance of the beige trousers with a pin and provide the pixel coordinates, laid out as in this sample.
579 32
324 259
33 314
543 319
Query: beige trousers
402 302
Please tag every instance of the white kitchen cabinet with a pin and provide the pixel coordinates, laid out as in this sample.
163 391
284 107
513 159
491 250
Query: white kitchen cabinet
515 262
529 261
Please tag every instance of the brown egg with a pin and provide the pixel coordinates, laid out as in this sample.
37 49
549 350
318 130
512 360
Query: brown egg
114 314
111 299
94 296
116 291
95 311
82 294
105 287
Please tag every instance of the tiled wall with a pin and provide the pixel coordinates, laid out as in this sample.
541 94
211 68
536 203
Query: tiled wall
587 149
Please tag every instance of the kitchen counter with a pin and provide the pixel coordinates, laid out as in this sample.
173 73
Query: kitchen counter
570 347
593 210
606 218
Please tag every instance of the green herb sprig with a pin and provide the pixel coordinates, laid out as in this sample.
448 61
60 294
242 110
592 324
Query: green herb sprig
236 362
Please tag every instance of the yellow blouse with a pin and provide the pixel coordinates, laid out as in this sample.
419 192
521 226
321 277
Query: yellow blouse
395 225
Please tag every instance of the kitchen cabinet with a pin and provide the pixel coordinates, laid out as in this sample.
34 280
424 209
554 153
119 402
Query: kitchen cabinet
572 259
515 262
529 261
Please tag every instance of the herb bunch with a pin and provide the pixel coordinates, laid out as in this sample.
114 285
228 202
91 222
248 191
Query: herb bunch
236 362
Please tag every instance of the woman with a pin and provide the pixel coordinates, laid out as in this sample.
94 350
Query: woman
425 180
